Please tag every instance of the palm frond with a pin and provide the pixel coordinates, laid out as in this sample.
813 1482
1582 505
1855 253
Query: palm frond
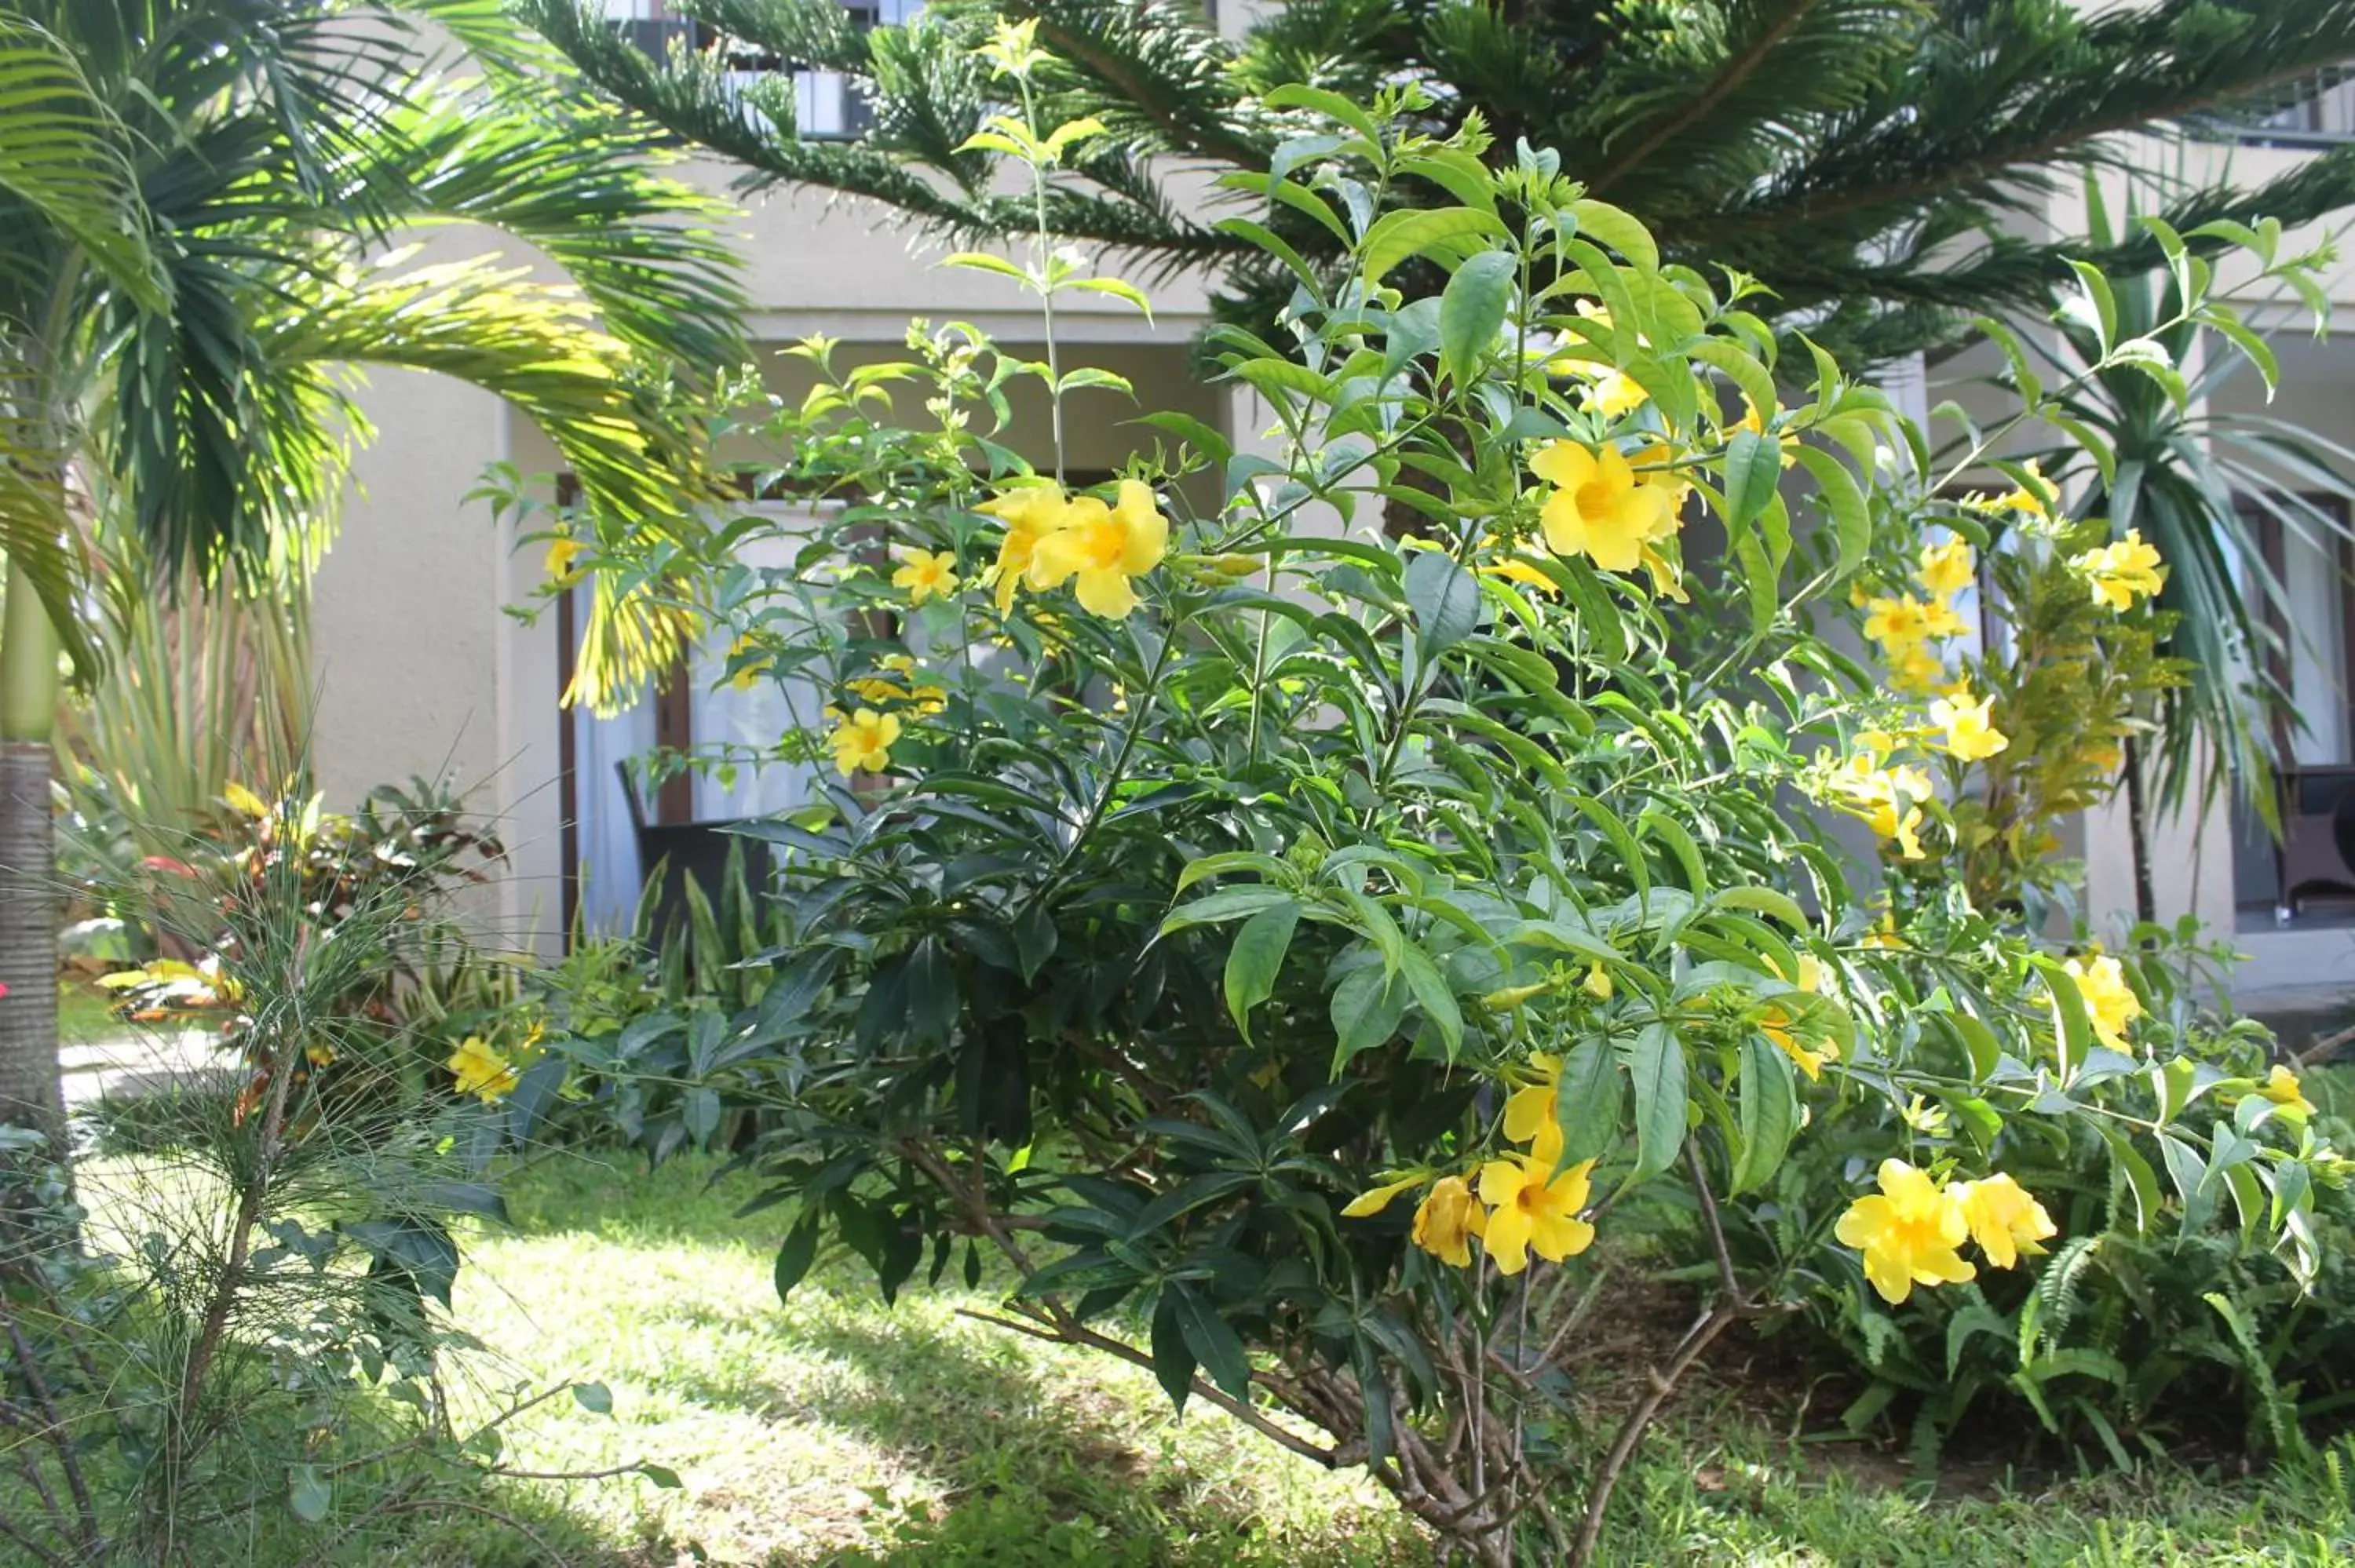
62 153
537 347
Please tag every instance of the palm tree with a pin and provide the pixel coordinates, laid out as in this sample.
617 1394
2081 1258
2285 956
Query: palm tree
198 201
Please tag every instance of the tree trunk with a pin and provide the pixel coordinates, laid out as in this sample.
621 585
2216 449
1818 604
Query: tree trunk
30 1091
2139 833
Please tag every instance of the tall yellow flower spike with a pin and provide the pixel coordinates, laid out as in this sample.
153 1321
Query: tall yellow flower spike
1597 509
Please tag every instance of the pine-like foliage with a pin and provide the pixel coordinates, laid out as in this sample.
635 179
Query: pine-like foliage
1860 157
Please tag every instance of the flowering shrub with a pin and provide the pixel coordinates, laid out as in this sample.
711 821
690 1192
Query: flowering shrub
1289 943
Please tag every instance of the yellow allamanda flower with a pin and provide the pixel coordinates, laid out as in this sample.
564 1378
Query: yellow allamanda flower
1914 671
1777 1023
744 679
1598 509
1447 1219
2281 1086
926 574
1519 569
1900 623
1532 1209
1909 1232
1970 734
2004 1220
1031 513
862 740
2119 570
1102 547
1886 799
1530 1112
1945 569
480 1070
1375 1199
2111 1004
2026 498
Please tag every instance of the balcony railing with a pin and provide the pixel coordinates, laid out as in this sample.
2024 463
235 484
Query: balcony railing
2322 117
827 105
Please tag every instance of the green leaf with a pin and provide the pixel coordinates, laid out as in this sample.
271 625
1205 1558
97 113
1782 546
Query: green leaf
1444 233
1213 1342
1658 1067
1332 105
1621 230
2098 308
982 262
662 1476
1429 989
1253 962
1446 599
796 1253
1754 466
1844 499
1764 901
594 1397
1366 1007
1472 312
1117 288
1769 1111
1588 1098
1227 904
308 1494
1173 1362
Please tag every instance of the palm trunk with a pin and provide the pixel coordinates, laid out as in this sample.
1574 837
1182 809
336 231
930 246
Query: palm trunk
31 1094
2139 833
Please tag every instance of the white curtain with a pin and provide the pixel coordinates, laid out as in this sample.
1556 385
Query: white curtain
610 874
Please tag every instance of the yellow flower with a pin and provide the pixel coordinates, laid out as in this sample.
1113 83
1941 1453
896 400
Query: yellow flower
1531 1111
875 689
1776 1023
744 679
1613 392
1103 546
1945 569
1516 569
926 575
2121 570
1597 982
1031 513
1446 1221
1368 1204
1914 671
481 1070
1971 736
2004 1220
2281 1086
1908 1232
1899 624
2024 499
1655 465
1666 581
1597 508
863 739
2110 1002
561 554
1883 798
1527 1210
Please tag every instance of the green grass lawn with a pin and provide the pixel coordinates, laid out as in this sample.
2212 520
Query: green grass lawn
834 1432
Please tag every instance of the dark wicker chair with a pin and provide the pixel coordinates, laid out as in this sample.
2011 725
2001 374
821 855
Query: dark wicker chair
683 850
